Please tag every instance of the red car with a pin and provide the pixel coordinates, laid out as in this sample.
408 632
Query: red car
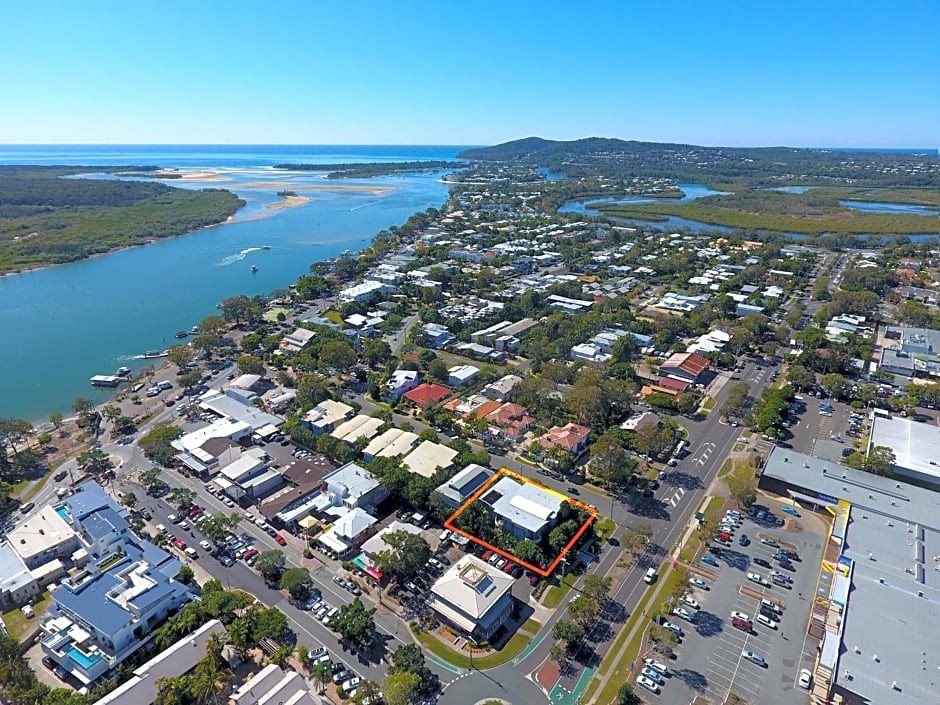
280 539
508 567
180 544
743 624
249 553
487 555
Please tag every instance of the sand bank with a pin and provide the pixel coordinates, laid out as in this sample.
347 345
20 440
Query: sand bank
288 202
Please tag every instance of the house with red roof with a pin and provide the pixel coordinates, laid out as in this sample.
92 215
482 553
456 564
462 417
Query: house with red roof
571 437
510 420
427 394
684 367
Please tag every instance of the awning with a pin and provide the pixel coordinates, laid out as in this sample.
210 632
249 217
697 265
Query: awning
307 523
360 561
190 462
332 542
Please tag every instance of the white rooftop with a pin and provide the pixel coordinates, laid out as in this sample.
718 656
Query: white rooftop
428 457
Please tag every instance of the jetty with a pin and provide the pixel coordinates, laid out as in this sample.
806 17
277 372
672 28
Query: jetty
106 380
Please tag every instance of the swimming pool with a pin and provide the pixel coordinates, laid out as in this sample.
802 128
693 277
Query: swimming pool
64 513
82 659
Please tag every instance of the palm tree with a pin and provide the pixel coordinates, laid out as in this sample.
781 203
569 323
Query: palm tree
207 682
214 648
172 690
320 674
280 656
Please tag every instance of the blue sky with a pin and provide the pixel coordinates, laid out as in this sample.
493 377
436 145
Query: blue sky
476 72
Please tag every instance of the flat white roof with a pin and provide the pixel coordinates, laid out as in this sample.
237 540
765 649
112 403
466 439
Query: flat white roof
41 532
427 457
916 446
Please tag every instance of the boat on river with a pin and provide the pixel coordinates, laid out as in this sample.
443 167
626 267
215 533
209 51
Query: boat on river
123 371
150 354
182 333
254 268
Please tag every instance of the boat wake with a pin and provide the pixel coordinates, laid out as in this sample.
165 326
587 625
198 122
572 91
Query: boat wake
232 259
364 205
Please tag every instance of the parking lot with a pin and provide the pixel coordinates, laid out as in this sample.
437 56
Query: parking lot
709 659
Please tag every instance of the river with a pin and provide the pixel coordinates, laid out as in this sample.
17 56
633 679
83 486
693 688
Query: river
64 324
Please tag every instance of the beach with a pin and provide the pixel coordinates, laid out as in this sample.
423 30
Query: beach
288 202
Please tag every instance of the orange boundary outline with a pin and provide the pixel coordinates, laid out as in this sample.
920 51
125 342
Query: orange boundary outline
449 524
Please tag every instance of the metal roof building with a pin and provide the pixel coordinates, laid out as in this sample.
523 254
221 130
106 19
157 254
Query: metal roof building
882 609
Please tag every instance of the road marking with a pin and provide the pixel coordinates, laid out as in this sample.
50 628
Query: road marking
533 645
446 666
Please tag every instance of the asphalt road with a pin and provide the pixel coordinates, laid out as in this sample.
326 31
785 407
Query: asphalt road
710 442
669 513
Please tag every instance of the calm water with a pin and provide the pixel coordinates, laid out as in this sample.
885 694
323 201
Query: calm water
894 208
64 324
691 191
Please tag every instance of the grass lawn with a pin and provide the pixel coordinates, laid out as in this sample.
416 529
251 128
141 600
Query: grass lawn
707 405
603 528
271 316
557 593
18 625
532 626
334 315
512 649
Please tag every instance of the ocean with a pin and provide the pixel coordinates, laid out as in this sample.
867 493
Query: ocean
64 324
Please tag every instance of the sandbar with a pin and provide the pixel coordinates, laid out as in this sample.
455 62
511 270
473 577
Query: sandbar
186 175
288 202
294 186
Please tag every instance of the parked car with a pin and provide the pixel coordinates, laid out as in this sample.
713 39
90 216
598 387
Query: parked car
656 666
699 583
769 542
743 624
763 562
754 657
691 602
756 578
766 621
650 685
674 628
280 539
653 675
710 560
805 678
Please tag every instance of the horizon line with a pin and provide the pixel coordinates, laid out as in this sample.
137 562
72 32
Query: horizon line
404 144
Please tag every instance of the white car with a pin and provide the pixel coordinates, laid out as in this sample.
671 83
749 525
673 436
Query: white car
805 678
740 615
656 666
691 602
756 578
699 583
674 628
648 684
753 657
174 519
684 613
205 545
352 683
771 606
767 621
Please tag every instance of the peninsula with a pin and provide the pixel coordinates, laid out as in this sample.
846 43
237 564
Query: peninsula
49 217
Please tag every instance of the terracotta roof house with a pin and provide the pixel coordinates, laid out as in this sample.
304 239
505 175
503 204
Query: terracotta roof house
511 420
427 394
687 367
671 383
571 437
655 389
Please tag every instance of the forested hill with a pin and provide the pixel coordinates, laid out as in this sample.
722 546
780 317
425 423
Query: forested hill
750 166
48 219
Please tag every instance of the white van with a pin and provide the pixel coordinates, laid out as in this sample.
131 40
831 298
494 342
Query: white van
191 552
650 576
162 529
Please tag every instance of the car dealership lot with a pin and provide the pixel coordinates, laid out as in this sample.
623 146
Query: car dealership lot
709 660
